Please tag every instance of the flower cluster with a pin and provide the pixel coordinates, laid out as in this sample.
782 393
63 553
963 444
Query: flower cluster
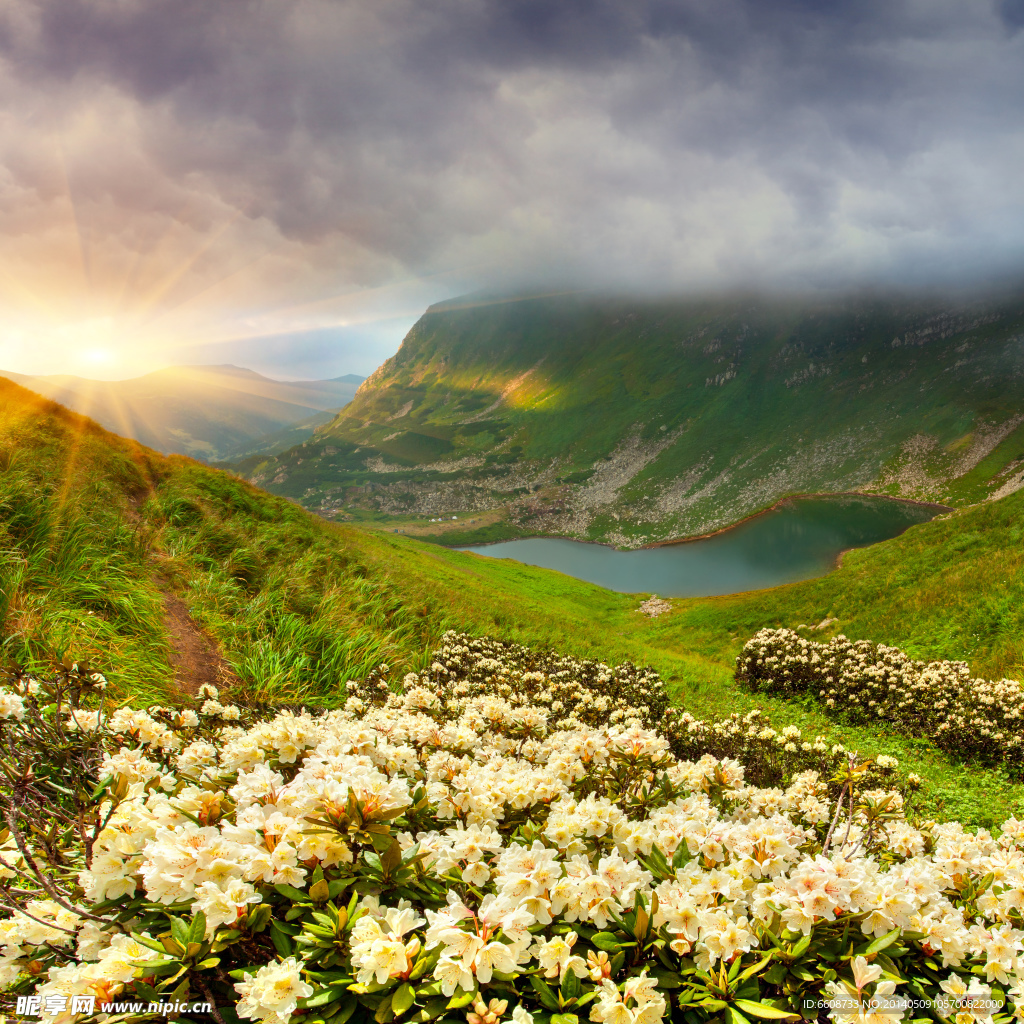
769 756
565 692
473 846
978 719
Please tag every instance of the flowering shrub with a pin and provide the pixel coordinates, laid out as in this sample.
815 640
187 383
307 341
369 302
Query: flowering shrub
972 718
769 757
482 843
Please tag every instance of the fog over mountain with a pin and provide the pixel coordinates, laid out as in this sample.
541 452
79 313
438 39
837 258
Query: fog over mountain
202 173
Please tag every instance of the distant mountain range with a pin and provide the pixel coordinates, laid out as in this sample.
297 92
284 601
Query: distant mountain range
214 413
633 421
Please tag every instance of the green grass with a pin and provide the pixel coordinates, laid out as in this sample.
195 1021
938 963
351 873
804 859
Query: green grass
90 523
74 574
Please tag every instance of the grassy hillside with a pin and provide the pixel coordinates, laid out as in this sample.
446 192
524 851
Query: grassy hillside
100 537
618 420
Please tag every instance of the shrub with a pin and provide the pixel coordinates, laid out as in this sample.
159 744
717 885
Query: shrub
976 719
486 840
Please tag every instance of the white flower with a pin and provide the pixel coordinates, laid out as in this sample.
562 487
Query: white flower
273 992
864 973
556 957
494 956
453 973
11 705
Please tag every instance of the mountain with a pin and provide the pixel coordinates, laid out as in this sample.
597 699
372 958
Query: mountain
633 421
162 572
208 412
279 440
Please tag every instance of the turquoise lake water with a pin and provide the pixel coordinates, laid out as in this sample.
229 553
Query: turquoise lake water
798 540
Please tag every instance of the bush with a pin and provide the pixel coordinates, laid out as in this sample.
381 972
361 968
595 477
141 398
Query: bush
504 835
975 719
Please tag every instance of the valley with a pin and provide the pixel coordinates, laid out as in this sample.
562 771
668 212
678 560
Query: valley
99 533
209 412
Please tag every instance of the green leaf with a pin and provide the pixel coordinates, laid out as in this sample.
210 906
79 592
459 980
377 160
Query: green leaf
754 969
425 962
198 930
883 943
461 999
570 987
384 1012
101 788
281 939
320 891
889 968
180 993
293 894
606 941
324 996
392 858
764 1011
733 1016
258 917
564 1018
667 979
544 993
143 940
179 932
433 1009
348 1007
147 992
404 997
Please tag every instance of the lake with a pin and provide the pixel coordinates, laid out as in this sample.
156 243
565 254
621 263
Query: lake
796 541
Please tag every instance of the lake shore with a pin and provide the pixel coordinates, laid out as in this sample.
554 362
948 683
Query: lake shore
786 500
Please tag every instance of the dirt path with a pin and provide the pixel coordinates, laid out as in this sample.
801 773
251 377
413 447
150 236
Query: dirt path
194 656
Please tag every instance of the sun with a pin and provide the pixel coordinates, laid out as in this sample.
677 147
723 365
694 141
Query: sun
98 356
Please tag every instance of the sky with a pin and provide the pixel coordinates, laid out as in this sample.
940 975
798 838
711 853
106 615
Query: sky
287 185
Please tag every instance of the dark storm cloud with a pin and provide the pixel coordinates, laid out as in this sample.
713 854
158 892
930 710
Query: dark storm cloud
669 143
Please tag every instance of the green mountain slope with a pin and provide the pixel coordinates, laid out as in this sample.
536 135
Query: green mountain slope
101 539
636 421
208 412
